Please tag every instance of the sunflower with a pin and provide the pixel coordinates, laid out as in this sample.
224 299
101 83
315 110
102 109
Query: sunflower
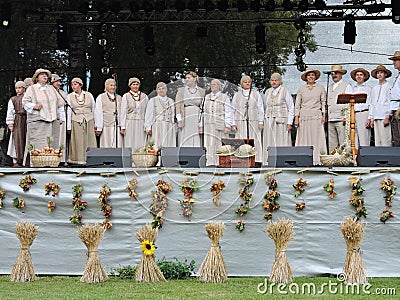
148 247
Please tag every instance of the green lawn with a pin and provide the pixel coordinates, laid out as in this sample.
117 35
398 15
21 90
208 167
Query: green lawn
64 287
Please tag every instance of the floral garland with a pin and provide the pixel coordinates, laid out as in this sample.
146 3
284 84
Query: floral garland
299 189
19 203
106 208
133 183
78 204
388 187
244 207
357 199
160 202
26 183
2 195
148 247
217 188
271 204
188 187
329 187
51 189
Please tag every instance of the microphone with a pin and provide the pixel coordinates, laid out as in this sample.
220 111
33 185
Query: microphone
329 72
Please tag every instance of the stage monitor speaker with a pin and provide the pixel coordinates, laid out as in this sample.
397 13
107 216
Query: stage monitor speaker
378 156
109 157
193 157
301 156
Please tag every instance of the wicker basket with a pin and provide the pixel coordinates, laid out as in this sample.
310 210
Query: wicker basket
335 160
144 160
45 160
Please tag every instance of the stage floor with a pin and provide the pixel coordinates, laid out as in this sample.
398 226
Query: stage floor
318 246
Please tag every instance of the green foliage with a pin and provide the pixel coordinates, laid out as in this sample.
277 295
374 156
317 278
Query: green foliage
176 269
124 272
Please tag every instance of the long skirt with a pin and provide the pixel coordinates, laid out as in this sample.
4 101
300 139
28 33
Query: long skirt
275 135
164 134
82 137
189 134
212 141
311 133
135 135
254 133
108 137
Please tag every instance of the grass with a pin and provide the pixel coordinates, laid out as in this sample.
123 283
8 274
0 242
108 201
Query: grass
64 287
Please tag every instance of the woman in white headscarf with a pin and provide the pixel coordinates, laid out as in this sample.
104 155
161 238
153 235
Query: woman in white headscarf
159 121
216 121
279 114
133 109
187 104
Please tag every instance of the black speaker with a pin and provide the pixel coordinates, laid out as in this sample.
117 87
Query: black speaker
194 157
109 157
301 156
378 156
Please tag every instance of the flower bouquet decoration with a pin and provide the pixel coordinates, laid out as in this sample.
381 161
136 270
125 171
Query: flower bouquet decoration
133 183
244 207
160 202
2 195
299 189
23 269
78 204
52 189
188 187
27 182
282 233
212 269
217 188
353 232
19 203
91 235
106 208
271 197
388 187
147 270
357 198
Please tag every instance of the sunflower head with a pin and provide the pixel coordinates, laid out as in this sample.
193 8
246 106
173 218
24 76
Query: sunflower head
148 247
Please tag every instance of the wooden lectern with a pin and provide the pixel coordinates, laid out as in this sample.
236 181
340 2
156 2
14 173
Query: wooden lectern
352 99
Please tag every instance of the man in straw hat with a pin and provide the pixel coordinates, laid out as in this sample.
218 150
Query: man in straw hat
336 117
395 100
133 110
362 112
56 83
380 105
41 103
107 116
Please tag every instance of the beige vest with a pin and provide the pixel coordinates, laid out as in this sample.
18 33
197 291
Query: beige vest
136 109
334 109
109 110
163 111
214 111
242 102
83 112
276 105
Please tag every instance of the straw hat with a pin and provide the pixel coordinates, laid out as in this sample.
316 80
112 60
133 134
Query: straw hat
310 70
77 80
395 56
338 69
245 150
225 150
54 78
39 71
362 70
132 80
381 68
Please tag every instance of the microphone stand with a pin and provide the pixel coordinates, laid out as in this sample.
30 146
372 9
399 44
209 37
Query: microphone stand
247 116
326 113
202 119
116 110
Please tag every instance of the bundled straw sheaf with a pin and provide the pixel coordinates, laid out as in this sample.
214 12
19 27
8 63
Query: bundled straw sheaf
91 235
353 233
147 270
282 233
212 269
23 268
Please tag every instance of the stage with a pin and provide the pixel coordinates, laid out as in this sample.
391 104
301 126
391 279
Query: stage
318 247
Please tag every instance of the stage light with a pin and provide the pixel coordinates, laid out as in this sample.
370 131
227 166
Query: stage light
106 55
62 35
223 5
193 5
395 11
260 39
303 5
375 8
180 5
103 27
270 5
202 30
102 42
300 51
105 70
301 66
350 31
255 5
242 6
287 5
6 12
160 5
301 38
209 5
148 35
300 24
320 4
134 6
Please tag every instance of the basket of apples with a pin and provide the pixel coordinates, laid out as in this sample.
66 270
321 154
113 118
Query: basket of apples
146 157
46 157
